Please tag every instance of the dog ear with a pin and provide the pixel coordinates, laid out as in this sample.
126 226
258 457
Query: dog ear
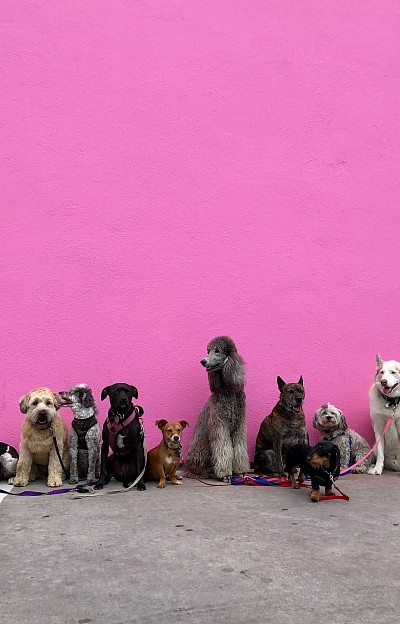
281 383
24 403
343 423
316 416
57 400
104 392
379 361
184 423
135 392
161 423
335 461
301 380
139 410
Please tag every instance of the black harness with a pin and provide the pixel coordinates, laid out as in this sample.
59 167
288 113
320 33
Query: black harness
81 427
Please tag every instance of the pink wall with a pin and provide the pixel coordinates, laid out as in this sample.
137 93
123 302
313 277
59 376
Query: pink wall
176 170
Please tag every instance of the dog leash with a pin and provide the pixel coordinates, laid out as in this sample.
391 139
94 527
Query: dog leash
389 422
57 450
283 482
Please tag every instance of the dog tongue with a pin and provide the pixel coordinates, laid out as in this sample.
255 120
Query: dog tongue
387 390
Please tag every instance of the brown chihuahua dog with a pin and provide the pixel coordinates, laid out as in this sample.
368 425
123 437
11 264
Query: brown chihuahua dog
163 460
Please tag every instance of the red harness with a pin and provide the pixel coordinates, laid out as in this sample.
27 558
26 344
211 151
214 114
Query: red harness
115 428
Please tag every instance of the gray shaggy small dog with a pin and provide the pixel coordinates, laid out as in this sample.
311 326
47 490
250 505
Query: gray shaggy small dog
331 423
219 443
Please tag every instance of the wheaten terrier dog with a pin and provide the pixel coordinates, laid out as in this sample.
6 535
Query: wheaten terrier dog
37 454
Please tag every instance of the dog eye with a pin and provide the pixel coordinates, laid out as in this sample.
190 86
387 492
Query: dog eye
48 402
35 402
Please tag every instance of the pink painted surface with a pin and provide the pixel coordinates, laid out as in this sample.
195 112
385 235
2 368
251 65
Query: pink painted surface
176 170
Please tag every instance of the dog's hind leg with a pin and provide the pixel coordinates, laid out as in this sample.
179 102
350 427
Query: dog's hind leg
24 466
221 450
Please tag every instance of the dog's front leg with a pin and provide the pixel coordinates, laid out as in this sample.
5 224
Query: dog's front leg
73 457
380 451
55 474
104 460
278 456
240 462
92 447
24 466
221 449
161 476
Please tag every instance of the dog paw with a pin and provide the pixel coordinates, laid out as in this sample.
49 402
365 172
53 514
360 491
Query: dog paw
176 482
19 482
11 481
73 481
375 470
141 487
314 496
161 485
56 482
98 486
295 487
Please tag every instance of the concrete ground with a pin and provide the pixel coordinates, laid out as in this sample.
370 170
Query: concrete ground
198 554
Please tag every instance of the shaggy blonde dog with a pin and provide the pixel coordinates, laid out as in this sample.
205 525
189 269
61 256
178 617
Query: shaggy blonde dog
37 454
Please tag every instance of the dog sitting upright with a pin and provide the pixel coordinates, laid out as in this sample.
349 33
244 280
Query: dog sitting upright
122 431
384 398
321 463
163 460
85 434
331 423
38 456
283 428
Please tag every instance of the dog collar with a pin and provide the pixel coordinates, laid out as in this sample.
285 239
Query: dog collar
176 450
390 402
335 434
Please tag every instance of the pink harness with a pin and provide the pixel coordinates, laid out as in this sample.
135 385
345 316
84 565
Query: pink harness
115 428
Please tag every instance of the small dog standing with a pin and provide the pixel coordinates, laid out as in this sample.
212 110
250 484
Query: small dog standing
38 455
163 460
85 434
331 423
384 398
321 463
122 431
283 428
8 461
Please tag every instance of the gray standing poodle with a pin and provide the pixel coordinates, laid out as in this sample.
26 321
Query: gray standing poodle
219 444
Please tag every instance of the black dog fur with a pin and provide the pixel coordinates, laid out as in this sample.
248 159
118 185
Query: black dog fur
300 456
127 461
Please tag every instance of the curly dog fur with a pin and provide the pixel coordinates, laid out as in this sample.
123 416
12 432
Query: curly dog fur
331 423
219 443
37 454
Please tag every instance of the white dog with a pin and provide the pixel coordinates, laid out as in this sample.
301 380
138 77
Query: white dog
37 454
384 401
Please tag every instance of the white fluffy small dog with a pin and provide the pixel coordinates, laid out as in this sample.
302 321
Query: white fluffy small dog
37 454
384 401
331 423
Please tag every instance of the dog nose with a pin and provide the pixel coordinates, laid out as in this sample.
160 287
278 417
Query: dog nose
384 382
42 413
175 438
329 417
203 362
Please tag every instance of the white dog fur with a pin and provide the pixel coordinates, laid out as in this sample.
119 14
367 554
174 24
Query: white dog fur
37 454
384 400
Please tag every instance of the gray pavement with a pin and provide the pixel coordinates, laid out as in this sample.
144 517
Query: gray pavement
198 554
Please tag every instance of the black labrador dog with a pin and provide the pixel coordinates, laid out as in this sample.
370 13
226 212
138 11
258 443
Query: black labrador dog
123 432
320 462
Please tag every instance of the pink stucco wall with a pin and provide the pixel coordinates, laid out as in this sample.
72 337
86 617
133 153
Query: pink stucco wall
176 170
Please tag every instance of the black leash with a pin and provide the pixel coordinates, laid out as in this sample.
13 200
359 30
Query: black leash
58 450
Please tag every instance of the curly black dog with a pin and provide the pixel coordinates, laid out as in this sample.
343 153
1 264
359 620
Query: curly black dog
320 462
123 431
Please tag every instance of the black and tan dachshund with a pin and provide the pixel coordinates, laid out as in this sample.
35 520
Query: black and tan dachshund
320 462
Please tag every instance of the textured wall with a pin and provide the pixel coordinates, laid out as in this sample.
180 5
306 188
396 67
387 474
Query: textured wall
176 170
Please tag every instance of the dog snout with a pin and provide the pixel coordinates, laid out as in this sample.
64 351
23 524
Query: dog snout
175 438
384 382
203 362
328 417
42 413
